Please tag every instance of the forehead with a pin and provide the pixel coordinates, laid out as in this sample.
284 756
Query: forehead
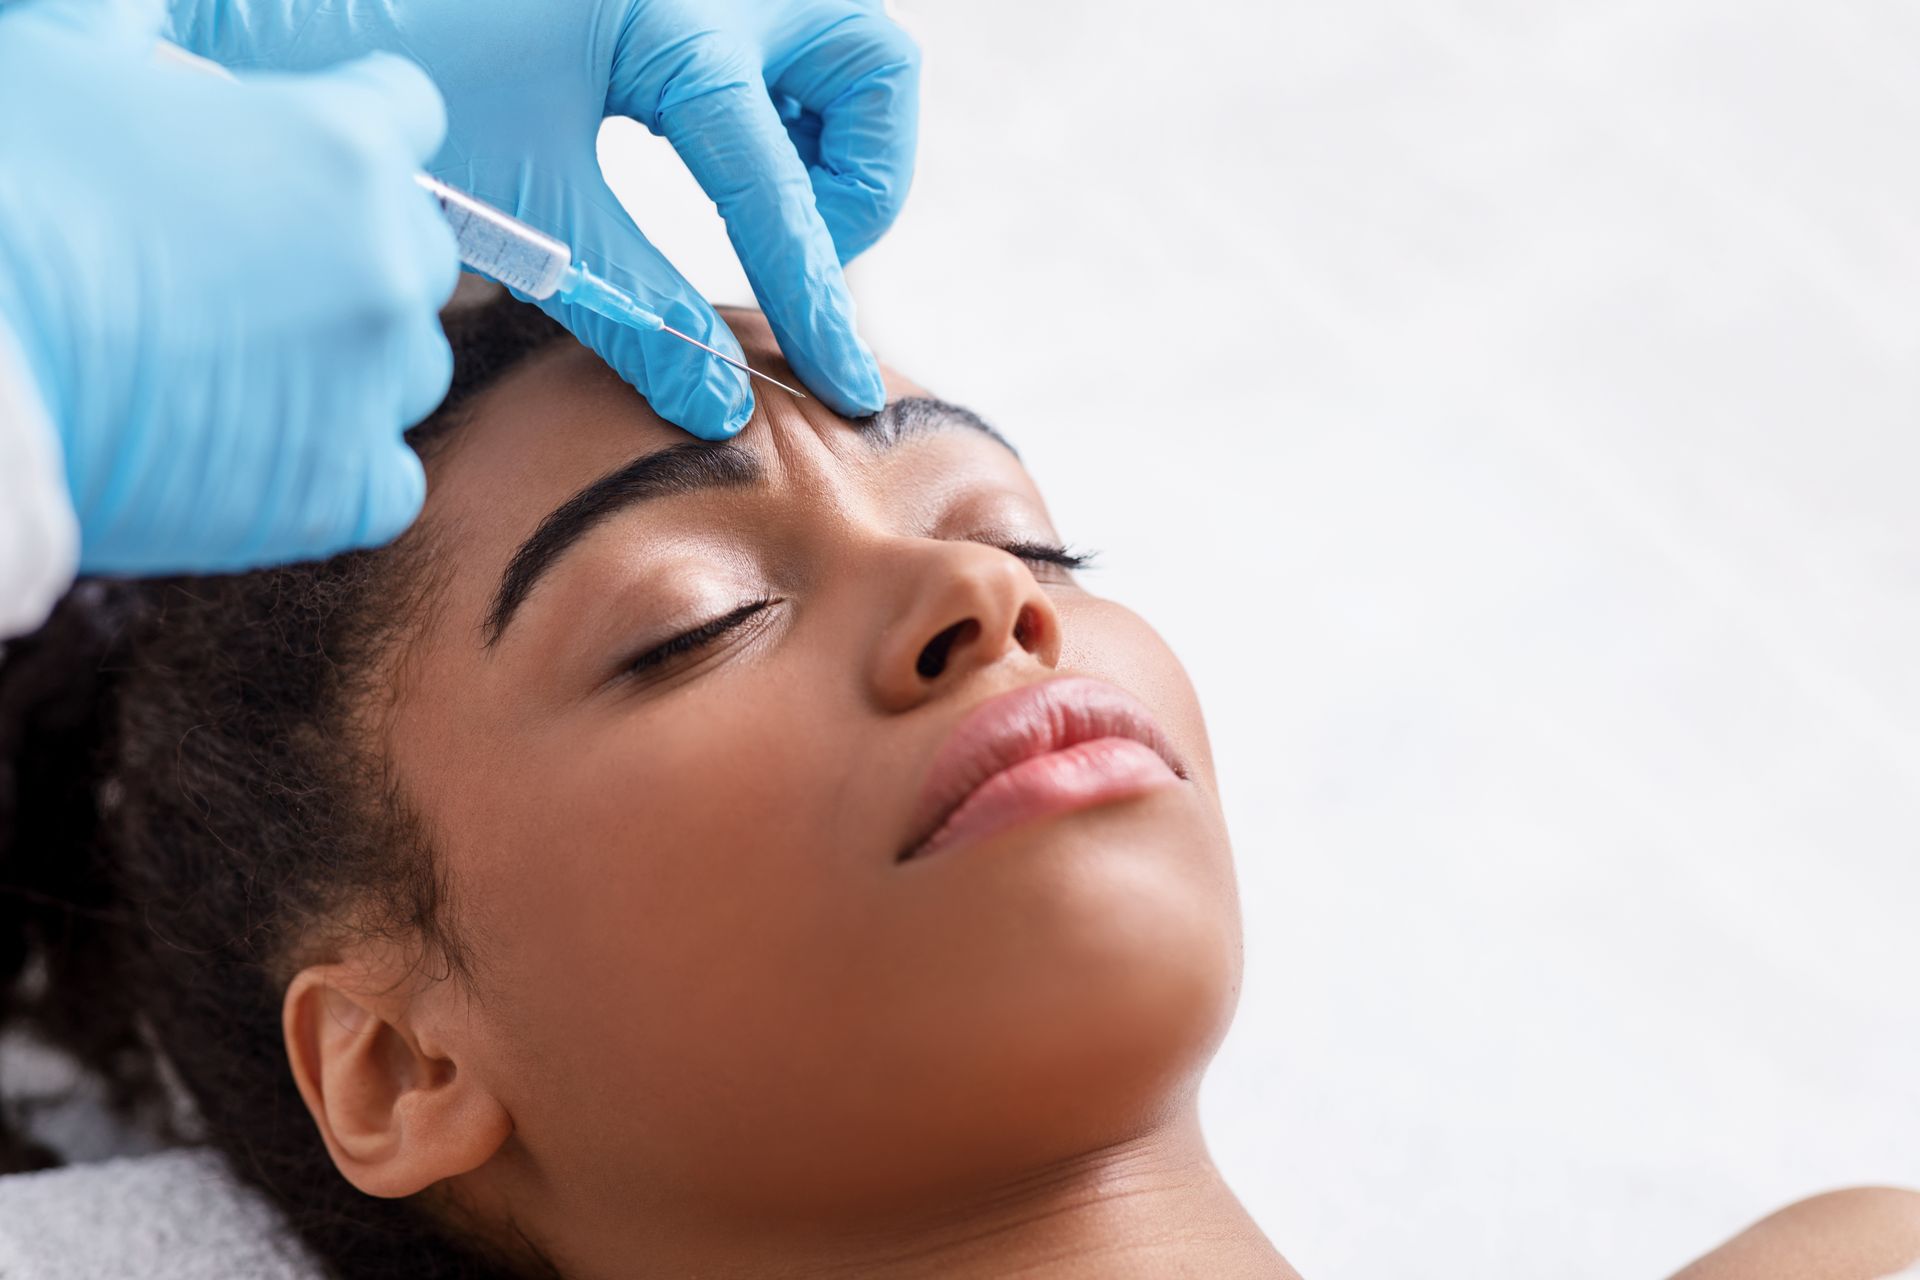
561 419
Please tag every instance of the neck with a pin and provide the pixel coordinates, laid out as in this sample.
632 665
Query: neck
1153 1206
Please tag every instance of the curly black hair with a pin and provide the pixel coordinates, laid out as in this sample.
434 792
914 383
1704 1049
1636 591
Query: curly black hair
188 816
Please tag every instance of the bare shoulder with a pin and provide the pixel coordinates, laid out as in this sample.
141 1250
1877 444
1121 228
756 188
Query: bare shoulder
1863 1233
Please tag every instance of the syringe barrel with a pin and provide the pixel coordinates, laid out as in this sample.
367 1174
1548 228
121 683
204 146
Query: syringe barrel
492 241
499 245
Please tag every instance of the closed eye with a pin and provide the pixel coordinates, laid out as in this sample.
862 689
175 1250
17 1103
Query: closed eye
694 639
1048 553
691 641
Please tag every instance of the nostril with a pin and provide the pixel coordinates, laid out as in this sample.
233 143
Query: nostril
1029 629
933 658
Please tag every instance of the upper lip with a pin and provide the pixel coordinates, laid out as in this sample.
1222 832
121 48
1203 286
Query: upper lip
1030 721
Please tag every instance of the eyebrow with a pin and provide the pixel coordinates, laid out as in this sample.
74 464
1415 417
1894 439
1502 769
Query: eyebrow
692 466
912 416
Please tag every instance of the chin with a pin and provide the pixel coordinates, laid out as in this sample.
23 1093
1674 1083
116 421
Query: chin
1101 969
1020 1002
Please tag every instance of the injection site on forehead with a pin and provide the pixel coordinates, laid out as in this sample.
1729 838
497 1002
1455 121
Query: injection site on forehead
692 467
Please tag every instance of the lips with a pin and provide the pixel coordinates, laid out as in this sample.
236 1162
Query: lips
1041 750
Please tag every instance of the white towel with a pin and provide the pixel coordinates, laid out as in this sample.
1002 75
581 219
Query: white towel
178 1215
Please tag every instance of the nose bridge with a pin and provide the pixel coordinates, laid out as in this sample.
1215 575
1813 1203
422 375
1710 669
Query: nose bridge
962 606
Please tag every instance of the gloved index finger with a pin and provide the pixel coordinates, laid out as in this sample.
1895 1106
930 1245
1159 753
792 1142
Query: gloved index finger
682 383
724 126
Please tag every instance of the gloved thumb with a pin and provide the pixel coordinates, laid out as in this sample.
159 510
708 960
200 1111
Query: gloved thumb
381 93
131 22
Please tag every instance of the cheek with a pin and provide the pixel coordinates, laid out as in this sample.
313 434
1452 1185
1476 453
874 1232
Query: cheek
662 875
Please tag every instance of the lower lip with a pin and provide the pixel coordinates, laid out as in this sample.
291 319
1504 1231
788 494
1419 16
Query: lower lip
1077 777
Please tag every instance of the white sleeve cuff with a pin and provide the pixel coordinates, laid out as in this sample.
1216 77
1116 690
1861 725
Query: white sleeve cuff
39 534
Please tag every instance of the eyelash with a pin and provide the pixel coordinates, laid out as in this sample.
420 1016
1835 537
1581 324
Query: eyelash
1047 553
707 632
701 636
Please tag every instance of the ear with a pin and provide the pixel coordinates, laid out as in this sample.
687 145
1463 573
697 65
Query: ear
394 1108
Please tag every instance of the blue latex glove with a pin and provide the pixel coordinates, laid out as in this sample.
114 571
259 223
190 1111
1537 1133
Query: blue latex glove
227 292
797 117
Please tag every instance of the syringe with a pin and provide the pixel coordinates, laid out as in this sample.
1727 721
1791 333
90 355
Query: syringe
501 247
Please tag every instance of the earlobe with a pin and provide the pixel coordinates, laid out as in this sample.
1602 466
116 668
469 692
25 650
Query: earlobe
397 1115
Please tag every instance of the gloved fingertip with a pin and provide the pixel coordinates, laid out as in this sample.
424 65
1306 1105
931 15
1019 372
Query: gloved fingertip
695 391
396 490
688 387
852 387
873 393
442 264
741 416
819 340
429 374
712 412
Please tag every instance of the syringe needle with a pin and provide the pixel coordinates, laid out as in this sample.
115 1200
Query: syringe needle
792 391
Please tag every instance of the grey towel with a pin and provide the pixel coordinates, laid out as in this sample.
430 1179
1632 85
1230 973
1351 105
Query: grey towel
177 1215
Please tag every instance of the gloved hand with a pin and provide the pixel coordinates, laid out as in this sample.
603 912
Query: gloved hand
797 117
227 292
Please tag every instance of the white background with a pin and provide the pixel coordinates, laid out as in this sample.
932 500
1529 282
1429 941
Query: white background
1508 411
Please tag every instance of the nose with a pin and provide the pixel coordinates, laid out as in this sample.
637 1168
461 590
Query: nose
965 607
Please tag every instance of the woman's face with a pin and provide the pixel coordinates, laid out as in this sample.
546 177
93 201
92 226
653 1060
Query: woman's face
706 980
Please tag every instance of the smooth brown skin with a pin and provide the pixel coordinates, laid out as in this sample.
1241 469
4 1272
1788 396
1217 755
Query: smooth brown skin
716 1029
1860 1234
